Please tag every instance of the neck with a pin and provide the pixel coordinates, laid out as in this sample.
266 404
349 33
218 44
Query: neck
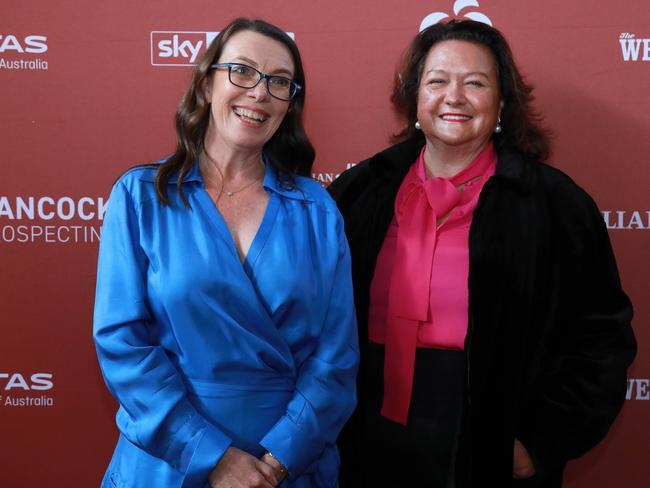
445 161
233 163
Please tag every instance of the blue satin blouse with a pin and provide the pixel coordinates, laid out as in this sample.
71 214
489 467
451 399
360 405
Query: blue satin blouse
203 352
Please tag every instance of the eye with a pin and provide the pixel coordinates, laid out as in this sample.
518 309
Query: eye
243 70
475 83
435 82
280 81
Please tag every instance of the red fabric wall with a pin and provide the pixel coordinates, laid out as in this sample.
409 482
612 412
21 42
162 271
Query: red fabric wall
83 96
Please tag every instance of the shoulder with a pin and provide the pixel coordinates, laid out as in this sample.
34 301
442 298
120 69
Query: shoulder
140 173
543 181
313 192
564 191
137 183
386 168
572 210
357 175
311 207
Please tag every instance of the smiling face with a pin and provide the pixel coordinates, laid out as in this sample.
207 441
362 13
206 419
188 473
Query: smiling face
458 97
241 118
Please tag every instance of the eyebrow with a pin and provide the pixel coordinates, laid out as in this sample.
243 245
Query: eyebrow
471 73
254 64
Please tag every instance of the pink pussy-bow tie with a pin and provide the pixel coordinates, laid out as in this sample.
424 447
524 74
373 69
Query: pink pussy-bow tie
419 205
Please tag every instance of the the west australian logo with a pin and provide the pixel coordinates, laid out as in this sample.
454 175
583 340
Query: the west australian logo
627 219
634 48
18 52
638 389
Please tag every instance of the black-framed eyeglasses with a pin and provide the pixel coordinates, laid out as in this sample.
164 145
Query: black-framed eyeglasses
245 76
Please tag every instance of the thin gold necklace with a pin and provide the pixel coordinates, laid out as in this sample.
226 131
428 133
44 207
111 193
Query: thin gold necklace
223 182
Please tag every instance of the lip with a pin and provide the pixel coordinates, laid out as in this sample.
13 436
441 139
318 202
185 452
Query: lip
250 121
455 117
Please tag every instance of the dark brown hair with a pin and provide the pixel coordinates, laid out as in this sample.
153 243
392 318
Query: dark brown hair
289 148
521 125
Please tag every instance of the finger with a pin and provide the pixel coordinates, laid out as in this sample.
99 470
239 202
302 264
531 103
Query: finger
523 472
522 464
268 472
257 480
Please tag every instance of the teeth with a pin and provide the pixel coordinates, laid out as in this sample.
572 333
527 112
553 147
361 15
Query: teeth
456 117
249 114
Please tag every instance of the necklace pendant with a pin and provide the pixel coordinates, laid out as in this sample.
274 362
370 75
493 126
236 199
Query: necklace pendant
229 193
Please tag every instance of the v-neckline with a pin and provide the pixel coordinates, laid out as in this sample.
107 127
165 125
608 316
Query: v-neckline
261 234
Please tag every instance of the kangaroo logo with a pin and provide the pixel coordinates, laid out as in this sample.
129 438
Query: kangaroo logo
459 6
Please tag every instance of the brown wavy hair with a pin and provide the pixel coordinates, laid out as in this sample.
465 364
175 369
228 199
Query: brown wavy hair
522 128
289 148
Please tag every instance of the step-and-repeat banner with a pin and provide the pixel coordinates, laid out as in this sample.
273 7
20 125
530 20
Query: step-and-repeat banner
88 89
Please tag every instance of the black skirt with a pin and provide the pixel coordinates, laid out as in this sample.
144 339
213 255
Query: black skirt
420 454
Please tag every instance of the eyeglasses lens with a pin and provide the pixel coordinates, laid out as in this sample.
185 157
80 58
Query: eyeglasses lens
246 77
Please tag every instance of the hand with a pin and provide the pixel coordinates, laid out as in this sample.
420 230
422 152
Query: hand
522 464
238 469
279 470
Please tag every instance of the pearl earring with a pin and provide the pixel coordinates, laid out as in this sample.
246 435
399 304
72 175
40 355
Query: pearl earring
498 128
417 125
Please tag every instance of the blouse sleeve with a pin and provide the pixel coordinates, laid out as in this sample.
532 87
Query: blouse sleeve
155 413
325 393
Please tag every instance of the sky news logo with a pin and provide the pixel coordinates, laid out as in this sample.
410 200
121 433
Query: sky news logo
172 48
181 48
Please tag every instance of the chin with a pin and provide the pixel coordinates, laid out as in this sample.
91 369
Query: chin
244 141
454 141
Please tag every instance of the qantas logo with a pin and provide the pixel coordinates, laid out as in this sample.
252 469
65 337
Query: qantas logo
29 44
37 381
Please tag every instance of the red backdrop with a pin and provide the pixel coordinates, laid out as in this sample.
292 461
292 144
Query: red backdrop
84 96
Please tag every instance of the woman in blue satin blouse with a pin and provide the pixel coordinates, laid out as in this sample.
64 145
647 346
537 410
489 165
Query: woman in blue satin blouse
224 320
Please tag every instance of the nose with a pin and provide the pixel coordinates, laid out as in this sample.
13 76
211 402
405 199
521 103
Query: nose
455 94
259 92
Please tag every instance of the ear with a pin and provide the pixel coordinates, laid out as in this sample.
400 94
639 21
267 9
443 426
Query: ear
206 87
